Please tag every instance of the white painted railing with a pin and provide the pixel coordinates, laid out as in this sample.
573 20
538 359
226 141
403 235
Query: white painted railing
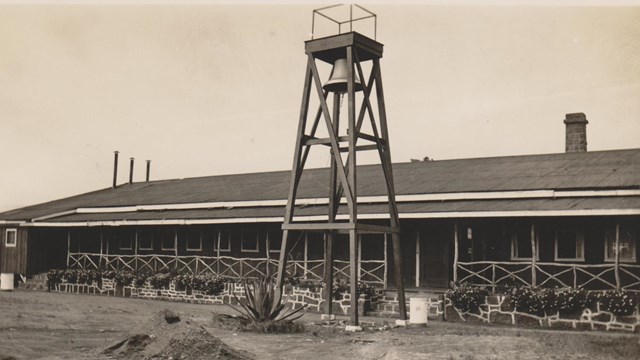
588 276
371 271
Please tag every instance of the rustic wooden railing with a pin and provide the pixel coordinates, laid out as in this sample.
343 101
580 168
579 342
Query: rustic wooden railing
371 271
588 276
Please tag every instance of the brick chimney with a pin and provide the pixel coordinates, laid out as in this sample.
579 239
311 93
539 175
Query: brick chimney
576 132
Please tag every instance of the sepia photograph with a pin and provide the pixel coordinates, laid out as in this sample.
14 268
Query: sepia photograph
214 179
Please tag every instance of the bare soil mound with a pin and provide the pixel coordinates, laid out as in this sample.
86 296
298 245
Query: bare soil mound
166 336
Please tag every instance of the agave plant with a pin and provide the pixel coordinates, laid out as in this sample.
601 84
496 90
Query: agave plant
264 306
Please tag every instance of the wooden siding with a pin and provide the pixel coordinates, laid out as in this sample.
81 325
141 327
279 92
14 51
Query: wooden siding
14 259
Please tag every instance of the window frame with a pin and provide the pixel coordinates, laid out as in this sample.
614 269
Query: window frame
579 237
188 238
219 240
122 237
14 231
514 246
151 234
271 249
612 259
173 246
242 237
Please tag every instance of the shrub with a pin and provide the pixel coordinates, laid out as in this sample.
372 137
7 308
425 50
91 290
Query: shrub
123 278
210 284
160 281
526 299
618 302
82 277
467 298
70 276
548 300
571 300
139 279
183 281
342 285
109 274
88 276
264 307
367 289
539 301
54 277
305 283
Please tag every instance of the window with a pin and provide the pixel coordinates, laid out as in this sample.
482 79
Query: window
124 241
249 241
521 244
626 245
569 245
145 240
193 240
225 241
11 238
168 241
275 240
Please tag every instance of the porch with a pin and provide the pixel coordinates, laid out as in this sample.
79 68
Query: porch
370 271
239 251
588 253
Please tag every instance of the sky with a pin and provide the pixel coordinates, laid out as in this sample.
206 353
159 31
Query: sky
207 88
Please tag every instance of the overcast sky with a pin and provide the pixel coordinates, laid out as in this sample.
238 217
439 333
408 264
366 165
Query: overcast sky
207 89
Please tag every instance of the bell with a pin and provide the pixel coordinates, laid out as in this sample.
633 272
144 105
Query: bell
338 79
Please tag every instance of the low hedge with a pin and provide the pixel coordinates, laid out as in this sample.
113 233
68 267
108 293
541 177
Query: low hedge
545 301
210 284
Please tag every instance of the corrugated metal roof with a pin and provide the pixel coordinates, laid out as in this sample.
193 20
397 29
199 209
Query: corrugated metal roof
616 169
563 204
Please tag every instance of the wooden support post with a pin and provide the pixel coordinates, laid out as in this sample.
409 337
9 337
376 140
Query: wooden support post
352 185
353 274
455 253
296 171
533 255
617 252
175 246
107 261
359 257
306 253
267 270
385 280
101 246
328 273
68 247
218 253
417 259
397 261
334 201
385 158
493 277
135 250
197 257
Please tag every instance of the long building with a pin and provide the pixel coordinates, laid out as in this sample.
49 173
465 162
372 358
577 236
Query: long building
570 219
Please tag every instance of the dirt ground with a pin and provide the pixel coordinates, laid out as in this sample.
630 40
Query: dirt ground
37 325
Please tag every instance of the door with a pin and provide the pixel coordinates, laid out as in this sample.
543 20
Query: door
435 241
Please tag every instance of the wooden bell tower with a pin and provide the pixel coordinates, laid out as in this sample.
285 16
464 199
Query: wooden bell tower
349 51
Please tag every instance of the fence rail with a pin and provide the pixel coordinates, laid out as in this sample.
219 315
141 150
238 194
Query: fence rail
371 271
589 276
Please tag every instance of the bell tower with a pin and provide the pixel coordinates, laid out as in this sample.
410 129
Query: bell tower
349 53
